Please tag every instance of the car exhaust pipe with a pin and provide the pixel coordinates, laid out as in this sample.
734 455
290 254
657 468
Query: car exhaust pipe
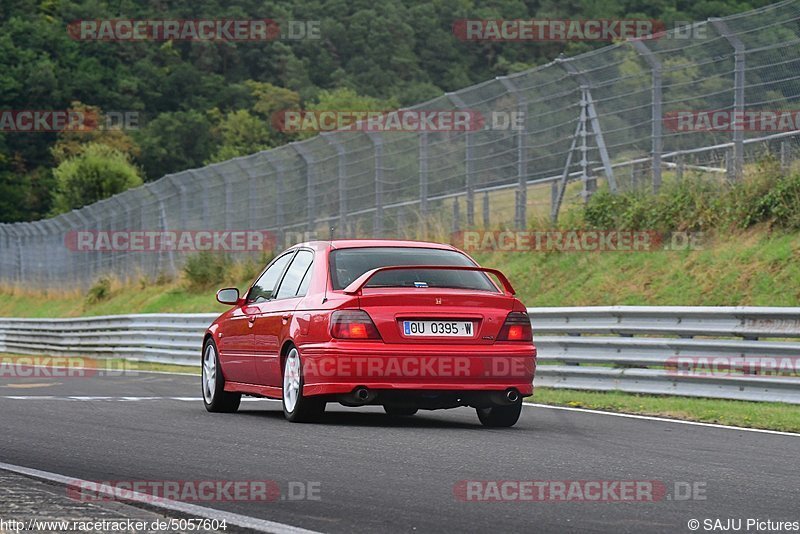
512 395
358 397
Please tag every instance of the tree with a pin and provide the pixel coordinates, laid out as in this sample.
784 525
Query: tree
71 143
240 133
175 142
98 172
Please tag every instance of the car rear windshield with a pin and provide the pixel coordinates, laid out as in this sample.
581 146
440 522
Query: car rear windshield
350 263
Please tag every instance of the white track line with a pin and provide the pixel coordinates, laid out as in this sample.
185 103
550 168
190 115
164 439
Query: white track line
261 525
659 419
533 404
120 399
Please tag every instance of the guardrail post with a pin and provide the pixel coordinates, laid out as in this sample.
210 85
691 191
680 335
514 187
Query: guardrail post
735 172
520 213
469 161
656 112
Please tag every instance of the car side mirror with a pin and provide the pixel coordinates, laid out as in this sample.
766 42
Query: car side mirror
229 295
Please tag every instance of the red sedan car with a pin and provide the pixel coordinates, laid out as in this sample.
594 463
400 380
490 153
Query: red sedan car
402 324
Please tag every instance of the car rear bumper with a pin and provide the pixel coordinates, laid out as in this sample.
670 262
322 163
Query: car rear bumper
338 368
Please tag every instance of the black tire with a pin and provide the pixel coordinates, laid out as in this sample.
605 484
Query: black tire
215 398
305 409
500 416
399 411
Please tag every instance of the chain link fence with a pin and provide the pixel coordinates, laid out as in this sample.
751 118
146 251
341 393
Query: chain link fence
611 115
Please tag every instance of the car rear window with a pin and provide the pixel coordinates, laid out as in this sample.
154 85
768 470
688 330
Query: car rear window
350 263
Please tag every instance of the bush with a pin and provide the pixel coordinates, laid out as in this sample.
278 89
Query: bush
694 205
767 198
100 291
206 269
96 173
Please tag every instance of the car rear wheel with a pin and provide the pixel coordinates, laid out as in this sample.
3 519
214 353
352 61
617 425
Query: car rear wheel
296 407
500 416
399 411
215 398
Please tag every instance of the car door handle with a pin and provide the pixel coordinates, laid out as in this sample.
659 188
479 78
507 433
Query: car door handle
286 318
251 321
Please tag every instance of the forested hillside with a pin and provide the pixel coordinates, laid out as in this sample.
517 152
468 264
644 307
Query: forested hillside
200 102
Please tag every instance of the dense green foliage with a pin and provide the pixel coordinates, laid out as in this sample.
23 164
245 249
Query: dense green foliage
98 172
768 196
202 102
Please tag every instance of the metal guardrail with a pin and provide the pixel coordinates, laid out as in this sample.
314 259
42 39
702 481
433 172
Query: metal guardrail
642 349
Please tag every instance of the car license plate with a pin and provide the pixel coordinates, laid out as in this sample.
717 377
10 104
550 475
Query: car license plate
438 328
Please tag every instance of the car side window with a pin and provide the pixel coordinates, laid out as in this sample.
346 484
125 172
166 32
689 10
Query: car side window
303 289
265 286
294 275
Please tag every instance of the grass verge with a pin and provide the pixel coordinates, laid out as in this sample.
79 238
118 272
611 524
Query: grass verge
765 415
114 365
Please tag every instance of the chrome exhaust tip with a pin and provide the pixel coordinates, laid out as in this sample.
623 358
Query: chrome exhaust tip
512 395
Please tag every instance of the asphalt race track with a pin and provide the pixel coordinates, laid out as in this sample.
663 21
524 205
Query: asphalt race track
377 473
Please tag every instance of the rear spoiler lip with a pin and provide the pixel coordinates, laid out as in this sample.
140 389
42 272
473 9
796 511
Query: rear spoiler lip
355 287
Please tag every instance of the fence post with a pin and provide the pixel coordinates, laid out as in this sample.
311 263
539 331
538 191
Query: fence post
88 268
520 212
456 216
308 158
280 168
735 171
486 214
341 182
377 143
469 162
423 181
656 111
162 220
59 238
786 152
4 246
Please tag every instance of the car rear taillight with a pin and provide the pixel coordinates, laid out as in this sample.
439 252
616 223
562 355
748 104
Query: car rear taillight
516 328
353 324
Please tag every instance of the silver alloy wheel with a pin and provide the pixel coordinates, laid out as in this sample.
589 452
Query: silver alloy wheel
291 380
209 373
